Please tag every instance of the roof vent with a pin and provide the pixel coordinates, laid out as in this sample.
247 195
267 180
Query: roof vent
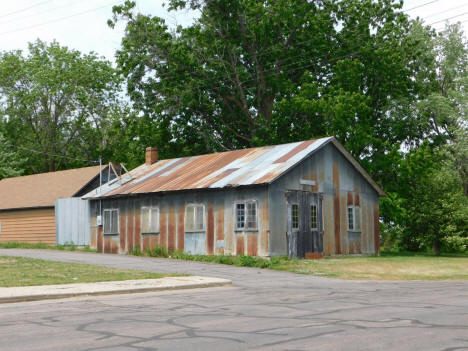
151 155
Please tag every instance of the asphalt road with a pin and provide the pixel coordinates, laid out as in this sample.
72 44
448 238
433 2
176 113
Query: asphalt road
263 310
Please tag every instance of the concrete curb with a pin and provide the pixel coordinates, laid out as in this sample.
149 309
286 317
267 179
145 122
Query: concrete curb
60 291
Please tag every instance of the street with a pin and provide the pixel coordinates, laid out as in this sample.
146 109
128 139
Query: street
263 310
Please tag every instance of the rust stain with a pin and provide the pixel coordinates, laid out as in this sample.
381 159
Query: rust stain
265 227
252 242
171 229
313 255
123 226
358 246
350 198
146 242
364 228
336 207
210 230
99 239
220 176
163 227
114 247
107 245
376 229
154 240
344 226
356 200
302 146
137 228
180 227
130 222
240 245
93 237
220 226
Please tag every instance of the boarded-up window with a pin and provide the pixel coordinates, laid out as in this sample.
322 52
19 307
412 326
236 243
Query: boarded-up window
150 220
111 221
194 218
354 218
246 215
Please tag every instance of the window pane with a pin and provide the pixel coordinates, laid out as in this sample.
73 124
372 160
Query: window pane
240 216
357 218
107 221
350 218
295 216
145 220
200 225
252 215
154 220
189 218
313 217
115 222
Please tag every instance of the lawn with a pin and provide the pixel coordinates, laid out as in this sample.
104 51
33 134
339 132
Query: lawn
19 271
385 267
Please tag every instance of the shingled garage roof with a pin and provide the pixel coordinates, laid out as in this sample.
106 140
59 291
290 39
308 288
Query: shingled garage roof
42 190
226 169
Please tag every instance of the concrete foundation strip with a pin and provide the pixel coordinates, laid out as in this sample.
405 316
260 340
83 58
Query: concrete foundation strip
60 291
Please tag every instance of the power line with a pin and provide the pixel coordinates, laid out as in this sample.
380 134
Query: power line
449 18
422 5
57 19
448 10
25 9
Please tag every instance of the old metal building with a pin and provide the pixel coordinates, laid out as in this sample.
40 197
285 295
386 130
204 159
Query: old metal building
304 199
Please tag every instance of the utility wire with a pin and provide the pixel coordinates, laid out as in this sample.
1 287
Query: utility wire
25 9
445 11
422 5
449 18
57 19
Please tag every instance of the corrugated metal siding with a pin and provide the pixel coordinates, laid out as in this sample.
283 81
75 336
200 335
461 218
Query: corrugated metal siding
340 184
72 221
218 238
31 226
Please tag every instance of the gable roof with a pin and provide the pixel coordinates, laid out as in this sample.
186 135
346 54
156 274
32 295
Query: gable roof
42 190
260 165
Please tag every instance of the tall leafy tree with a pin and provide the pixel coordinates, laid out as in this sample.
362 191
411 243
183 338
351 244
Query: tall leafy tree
55 104
255 72
10 163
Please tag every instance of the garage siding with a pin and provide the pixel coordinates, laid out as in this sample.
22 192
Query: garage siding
31 226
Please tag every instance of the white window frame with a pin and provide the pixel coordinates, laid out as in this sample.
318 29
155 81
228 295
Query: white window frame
113 211
356 218
194 206
151 210
292 216
316 217
245 223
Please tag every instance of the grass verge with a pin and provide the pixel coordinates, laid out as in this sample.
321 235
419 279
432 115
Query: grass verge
21 271
388 266
68 247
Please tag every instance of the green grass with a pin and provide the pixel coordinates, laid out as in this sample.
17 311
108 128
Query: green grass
20 271
388 266
68 247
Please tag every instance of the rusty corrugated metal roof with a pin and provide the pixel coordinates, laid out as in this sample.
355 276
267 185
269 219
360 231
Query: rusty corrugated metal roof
225 169
42 190
219 170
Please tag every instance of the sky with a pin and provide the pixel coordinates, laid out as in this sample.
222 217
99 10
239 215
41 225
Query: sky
82 24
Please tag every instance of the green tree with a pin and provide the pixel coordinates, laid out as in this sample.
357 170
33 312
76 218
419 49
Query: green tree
10 163
56 104
253 72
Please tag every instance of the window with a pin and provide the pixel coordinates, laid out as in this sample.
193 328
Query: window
194 218
313 217
111 221
295 216
246 215
150 220
354 218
